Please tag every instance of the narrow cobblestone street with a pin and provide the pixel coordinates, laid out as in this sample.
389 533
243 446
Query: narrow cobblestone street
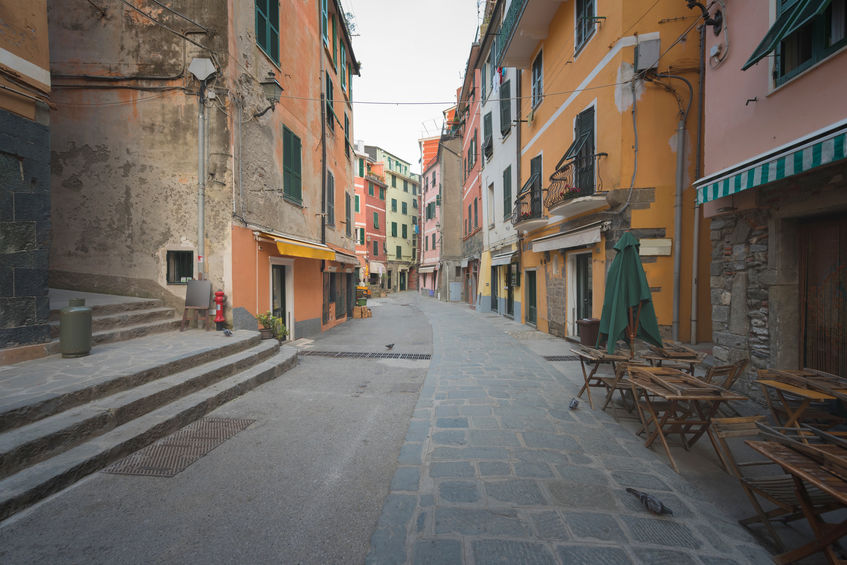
494 467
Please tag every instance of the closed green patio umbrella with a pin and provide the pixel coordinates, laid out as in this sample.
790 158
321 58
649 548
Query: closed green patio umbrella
628 304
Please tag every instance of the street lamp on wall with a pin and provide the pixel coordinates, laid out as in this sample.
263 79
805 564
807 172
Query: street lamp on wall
272 91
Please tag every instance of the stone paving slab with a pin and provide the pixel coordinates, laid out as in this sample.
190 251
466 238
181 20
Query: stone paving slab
496 469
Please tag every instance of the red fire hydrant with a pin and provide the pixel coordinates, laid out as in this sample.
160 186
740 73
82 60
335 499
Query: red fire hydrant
219 310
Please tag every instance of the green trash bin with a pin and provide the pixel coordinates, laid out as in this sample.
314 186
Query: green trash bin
75 329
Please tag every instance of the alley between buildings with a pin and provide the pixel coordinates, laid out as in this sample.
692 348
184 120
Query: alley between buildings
347 463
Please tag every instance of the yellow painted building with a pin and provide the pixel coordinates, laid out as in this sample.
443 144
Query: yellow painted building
606 96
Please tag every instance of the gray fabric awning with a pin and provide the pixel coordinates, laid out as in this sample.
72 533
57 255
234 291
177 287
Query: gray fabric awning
502 259
585 235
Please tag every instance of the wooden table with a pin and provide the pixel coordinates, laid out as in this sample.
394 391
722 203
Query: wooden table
675 403
803 468
808 385
594 358
674 353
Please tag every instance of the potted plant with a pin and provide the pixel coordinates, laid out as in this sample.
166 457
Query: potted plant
279 330
266 321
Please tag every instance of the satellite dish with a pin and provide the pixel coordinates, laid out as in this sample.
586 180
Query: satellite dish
202 68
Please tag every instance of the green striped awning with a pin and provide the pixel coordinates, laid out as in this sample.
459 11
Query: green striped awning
795 159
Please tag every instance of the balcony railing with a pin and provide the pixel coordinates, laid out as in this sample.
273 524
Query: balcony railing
564 185
507 28
528 204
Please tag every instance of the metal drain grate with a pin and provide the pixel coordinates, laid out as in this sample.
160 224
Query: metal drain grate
365 355
561 358
173 454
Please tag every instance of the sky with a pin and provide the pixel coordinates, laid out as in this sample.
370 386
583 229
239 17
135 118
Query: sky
410 51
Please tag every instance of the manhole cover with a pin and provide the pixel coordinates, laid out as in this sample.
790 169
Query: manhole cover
561 358
173 454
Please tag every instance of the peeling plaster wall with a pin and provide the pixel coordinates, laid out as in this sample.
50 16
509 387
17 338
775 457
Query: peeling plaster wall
124 150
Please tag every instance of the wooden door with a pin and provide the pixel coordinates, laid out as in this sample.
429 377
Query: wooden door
823 294
531 309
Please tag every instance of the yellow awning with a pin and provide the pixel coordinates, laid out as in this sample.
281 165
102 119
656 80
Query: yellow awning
294 248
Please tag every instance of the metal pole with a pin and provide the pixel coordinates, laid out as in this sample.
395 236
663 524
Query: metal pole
677 224
201 182
695 254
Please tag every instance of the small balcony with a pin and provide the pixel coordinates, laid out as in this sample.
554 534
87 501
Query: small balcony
523 27
572 190
527 213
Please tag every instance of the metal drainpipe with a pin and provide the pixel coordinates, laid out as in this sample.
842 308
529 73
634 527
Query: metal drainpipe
698 171
201 181
677 223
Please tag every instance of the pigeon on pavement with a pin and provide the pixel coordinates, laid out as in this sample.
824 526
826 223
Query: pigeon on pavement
650 502
389 346
227 332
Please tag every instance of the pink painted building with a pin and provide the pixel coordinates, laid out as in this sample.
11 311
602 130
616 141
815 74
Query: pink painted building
773 184
430 215
477 140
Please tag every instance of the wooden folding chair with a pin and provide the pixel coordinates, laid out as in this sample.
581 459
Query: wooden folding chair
777 488
198 299
617 383
725 375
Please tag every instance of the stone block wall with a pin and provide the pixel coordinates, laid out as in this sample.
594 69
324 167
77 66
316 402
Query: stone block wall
739 294
24 230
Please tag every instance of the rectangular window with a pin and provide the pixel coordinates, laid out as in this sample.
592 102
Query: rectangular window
376 248
346 135
393 181
405 185
376 221
490 205
468 223
403 208
393 229
426 244
433 179
505 107
330 199
414 190
812 38
584 152
484 81
381 193
330 111
584 23
267 28
348 230
433 241
487 143
393 204
537 81
476 213
350 81
362 168
291 163
361 236
343 68
324 22
357 203
334 45
507 192
398 252
370 188
415 203
180 266
404 231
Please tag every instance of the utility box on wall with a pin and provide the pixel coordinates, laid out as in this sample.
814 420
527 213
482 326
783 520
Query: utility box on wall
647 55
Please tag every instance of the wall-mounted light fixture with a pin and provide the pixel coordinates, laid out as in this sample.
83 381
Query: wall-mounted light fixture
272 91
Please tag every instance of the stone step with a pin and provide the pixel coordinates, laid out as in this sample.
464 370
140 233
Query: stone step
121 320
41 388
27 445
115 308
34 483
124 333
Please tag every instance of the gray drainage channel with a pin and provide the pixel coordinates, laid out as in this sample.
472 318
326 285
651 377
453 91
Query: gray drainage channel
561 358
364 355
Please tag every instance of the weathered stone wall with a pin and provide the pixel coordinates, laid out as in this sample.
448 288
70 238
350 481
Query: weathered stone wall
739 293
24 230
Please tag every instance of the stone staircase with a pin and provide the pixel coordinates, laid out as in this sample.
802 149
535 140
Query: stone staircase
115 318
62 419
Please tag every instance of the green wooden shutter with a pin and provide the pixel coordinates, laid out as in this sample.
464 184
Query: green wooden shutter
505 107
507 192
